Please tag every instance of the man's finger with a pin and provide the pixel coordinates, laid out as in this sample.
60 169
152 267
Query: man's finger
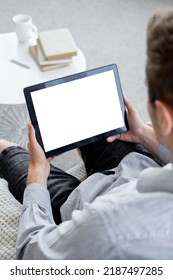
112 138
31 134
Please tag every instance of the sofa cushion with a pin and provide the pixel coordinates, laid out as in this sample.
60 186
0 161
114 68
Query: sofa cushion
10 210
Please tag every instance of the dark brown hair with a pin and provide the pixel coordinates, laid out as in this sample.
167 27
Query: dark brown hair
159 68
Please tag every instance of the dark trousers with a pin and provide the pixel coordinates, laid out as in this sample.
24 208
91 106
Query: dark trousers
98 157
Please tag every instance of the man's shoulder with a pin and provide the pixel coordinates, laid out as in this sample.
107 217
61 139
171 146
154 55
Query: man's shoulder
156 179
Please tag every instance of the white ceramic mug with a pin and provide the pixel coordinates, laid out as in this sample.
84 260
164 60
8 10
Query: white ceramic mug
24 28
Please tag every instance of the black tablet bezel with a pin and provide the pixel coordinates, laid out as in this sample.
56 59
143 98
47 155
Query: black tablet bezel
32 113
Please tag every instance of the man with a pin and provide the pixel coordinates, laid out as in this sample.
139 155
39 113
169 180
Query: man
124 209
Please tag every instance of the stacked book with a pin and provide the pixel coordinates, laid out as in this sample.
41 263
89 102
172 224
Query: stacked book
54 49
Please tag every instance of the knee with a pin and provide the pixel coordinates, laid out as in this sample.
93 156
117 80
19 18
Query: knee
4 144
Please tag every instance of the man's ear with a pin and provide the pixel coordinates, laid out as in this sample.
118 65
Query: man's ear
164 117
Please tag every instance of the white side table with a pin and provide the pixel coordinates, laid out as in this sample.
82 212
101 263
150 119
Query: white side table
13 113
14 77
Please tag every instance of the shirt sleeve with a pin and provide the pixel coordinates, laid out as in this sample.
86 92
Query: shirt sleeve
36 214
40 238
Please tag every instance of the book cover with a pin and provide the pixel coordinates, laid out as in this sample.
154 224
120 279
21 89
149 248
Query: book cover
33 52
42 60
57 44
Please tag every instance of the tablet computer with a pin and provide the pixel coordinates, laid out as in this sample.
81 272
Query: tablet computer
76 110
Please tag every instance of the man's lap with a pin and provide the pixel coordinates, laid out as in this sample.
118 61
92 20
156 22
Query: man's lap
97 157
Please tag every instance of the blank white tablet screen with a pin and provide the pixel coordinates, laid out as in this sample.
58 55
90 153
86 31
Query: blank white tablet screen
76 110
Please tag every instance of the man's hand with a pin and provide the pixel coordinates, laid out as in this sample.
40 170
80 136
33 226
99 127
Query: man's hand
136 126
139 132
39 166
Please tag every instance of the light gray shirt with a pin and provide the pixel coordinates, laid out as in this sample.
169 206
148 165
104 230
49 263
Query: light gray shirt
127 215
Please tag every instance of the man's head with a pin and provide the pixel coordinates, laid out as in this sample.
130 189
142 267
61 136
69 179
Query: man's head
159 71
